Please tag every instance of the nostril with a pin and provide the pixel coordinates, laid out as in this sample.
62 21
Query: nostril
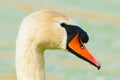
63 24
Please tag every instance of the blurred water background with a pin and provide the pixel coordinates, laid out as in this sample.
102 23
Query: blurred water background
100 18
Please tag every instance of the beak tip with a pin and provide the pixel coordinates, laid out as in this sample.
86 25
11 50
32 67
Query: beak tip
99 67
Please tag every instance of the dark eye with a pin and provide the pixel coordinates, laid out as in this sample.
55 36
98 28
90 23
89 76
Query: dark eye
63 24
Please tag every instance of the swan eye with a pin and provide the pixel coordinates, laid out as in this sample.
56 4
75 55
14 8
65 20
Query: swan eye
63 24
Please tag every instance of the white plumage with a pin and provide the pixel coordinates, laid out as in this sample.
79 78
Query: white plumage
39 31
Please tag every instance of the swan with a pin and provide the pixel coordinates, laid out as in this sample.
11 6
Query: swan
47 29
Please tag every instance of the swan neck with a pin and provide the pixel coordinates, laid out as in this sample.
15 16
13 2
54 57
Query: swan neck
30 64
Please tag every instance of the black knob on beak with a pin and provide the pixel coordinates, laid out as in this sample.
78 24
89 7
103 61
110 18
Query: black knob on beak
84 37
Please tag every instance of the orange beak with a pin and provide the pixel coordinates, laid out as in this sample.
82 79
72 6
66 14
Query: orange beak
77 47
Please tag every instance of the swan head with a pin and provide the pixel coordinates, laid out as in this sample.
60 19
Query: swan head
49 29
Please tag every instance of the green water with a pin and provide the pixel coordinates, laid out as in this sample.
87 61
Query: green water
104 35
